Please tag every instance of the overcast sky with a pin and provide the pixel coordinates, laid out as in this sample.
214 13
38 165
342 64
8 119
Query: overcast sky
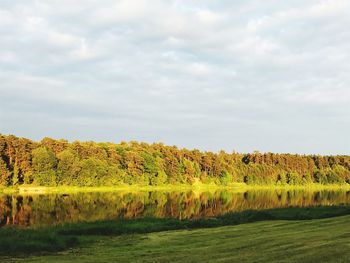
233 75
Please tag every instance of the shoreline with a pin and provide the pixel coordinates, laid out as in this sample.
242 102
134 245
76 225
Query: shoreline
24 241
238 187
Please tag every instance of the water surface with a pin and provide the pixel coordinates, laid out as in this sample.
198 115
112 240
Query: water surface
51 209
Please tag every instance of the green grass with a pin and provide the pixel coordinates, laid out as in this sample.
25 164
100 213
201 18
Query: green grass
148 225
320 240
22 242
16 242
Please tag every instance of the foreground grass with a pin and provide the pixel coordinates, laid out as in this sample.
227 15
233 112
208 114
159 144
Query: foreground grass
19 242
320 240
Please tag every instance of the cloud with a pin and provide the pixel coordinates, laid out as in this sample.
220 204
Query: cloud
243 75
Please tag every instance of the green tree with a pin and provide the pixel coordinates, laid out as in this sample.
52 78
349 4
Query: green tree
160 177
189 171
51 162
44 166
92 172
67 167
321 177
114 177
225 178
307 179
293 178
16 175
281 179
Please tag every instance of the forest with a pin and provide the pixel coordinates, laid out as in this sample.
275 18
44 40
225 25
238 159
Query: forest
53 162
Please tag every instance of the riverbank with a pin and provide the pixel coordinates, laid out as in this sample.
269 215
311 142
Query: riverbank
324 240
237 187
154 240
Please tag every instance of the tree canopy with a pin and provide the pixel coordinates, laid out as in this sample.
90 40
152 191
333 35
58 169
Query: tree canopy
57 162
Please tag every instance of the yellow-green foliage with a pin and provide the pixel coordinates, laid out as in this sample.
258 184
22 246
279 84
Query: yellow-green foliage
57 162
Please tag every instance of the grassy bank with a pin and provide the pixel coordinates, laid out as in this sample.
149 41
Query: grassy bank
317 240
178 187
19 242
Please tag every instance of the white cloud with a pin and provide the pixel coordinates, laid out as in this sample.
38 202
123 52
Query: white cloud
199 69
209 17
62 39
236 74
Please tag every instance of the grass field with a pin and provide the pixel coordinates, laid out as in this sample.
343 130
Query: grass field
319 240
250 236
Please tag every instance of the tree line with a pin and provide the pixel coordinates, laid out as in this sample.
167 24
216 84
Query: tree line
53 162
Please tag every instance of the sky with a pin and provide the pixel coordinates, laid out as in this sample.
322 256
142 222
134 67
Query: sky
271 76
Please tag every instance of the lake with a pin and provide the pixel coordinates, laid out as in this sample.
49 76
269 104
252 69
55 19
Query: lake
34 210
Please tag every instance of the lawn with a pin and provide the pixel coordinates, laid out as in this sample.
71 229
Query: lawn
230 238
320 240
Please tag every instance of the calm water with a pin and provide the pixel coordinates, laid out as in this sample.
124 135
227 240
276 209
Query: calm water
50 209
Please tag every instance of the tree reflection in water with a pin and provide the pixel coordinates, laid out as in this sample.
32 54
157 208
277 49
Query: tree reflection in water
51 209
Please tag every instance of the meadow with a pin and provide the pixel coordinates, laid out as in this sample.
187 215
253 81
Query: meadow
274 235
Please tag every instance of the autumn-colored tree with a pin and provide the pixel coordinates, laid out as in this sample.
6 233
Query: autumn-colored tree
5 174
